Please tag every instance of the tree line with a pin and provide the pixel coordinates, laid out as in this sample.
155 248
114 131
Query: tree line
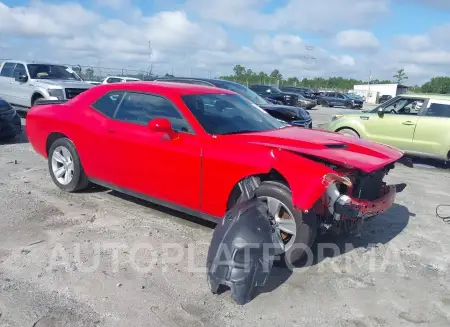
247 76
439 84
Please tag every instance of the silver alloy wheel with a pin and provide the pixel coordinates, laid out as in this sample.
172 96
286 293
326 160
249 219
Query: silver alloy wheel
286 225
62 165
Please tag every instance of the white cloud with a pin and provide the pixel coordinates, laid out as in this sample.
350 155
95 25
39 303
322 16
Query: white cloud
43 19
319 16
357 39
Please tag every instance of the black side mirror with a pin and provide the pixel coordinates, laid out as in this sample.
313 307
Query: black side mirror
380 111
21 78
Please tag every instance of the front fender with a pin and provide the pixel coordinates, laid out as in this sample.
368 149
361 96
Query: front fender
352 123
305 177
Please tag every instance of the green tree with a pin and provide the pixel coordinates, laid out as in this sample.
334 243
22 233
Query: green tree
440 84
78 70
248 76
276 74
400 76
89 73
239 70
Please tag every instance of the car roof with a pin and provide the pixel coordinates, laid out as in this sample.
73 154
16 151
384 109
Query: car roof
165 88
427 95
31 62
124 77
213 81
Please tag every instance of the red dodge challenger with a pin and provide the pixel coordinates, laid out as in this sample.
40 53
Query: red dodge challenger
201 150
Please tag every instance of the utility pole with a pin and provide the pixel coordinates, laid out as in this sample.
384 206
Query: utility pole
150 52
368 85
309 56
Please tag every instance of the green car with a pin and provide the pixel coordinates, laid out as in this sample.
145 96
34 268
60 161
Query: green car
418 124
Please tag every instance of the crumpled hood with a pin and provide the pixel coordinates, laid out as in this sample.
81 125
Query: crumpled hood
333 147
63 83
300 112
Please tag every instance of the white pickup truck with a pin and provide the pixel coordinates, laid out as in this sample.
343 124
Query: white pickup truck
23 83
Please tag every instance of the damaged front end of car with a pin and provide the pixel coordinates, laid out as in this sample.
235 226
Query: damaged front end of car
353 196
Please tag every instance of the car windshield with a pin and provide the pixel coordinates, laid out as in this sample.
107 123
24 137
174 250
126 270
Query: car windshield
244 91
43 71
229 114
274 89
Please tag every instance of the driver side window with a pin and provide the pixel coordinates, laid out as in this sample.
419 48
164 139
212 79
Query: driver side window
140 108
404 106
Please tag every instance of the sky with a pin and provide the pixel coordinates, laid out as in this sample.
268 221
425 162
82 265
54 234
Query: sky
301 38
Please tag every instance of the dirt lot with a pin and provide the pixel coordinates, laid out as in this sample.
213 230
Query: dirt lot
80 260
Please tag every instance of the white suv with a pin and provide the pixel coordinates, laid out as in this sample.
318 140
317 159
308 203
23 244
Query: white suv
24 83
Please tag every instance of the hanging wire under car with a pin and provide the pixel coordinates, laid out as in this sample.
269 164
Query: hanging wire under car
444 218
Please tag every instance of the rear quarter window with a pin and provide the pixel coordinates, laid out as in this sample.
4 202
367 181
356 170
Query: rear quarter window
7 69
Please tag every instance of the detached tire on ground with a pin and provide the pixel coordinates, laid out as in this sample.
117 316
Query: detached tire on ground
65 166
348 132
305 224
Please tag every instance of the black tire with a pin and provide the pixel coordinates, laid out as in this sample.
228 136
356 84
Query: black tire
36 99
79 180
348 106
325 104
349 132
307 224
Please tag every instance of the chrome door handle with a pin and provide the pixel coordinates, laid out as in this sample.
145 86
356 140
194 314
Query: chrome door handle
408 123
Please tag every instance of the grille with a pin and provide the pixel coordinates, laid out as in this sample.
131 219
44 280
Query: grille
72 93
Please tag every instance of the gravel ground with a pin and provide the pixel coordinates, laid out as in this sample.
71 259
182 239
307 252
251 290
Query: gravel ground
73 260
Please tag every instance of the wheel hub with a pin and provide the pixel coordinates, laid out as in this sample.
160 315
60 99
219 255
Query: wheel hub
285 223
62 165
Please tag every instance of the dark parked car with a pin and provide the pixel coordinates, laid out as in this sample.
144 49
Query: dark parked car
305 91
288 98
273 101
384 98
289 114
335 99
10 125
306 100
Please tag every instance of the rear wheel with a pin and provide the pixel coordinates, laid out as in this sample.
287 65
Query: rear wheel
348 132
65 166
297 230
36 99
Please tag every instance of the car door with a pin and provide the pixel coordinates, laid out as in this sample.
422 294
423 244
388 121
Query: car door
340 99
21 91
330 97
149 163
432 133
396 124
94 143
6 82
